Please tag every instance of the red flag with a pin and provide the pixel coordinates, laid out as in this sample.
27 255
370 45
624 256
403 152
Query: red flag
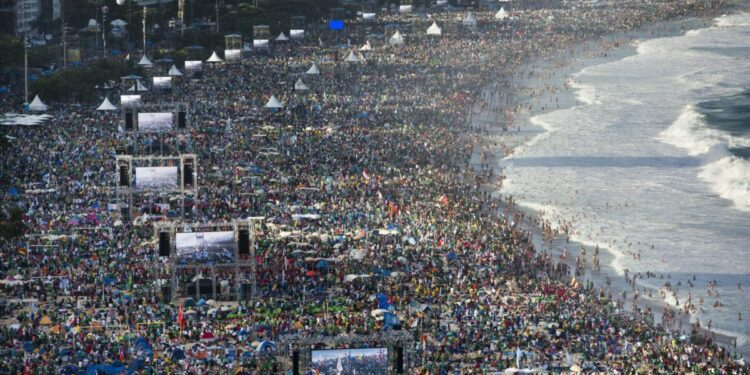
181 318
122 353
444 200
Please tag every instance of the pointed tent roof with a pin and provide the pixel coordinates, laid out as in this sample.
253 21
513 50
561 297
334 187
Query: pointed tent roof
214 58
300 86
37 105
434 29
145 62
118 23
313 69
174 72
138 86
469 20
501 14
366 47
282 37
273 103
396 39
352 58
361 57
106 105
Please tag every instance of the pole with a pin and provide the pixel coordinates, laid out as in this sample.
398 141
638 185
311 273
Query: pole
64 42
145 11
26 69
217 15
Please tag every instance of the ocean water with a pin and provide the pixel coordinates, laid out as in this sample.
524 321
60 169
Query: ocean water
653 164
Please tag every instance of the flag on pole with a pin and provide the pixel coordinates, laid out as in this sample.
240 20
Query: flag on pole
365 175
443 200
339 367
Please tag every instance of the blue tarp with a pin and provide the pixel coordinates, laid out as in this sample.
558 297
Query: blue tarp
13 192
113 369
143 348
383 301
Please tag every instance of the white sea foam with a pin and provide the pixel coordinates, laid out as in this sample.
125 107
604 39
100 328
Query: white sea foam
733 20
585 93
690 133
729 177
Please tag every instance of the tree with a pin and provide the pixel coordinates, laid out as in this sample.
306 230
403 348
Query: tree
11 223
11 51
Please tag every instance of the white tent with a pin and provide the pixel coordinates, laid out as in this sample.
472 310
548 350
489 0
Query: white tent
366 47
138 86
396 39
313 69
434 29
501 14
352 58
174 72
106 105
300 86
282 37
37 105
118 23
274 103
214 58
145 62
469 20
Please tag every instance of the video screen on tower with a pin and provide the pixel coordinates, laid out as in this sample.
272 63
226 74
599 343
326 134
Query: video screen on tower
205 247
350 361
162 82
193 65
155 178
130 100
155 122
232 55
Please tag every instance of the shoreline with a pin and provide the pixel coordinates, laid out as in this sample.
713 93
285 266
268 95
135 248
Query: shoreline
558 70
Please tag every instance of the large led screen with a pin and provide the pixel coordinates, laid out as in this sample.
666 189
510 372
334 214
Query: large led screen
155 178
193 65
163 82
297 33
350 361
155 122
258 43
232 55
205 247
130 100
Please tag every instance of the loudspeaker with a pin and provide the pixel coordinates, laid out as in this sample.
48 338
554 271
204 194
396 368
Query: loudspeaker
125 212
243 242
166 293
187 175
181 120
124 180
295 362
399 360
128 120
163 244
205 288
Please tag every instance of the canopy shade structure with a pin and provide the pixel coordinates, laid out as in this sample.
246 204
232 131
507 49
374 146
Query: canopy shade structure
145 62
13 119
352 58
282 37
501 14
313 69
214 58
434 29
469 20
396 39
106 105
37 105
118 23
273 103
174 72
366 47
138 86
300 86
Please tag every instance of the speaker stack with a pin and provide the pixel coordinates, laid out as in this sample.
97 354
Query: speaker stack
164 244
243 242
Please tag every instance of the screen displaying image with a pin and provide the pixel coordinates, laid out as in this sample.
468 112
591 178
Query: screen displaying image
154 178
350 361
232 55
297 33
130 100
205 247
193 65
368 16
404 8
155 121
260 43
163 82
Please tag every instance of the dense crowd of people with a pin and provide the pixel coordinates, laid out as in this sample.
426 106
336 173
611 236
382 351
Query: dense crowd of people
376 216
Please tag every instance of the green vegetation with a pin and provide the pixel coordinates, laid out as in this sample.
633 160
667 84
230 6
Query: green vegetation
11 223
79 84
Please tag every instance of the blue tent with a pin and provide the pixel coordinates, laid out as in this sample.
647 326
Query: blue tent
265 346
